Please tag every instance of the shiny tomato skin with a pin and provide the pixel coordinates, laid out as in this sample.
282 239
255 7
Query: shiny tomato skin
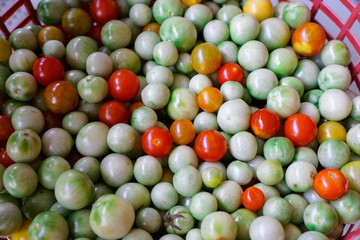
182 131
47 70
102 11
330 184
300 129
265 123
308 39
210 145
253 198
6 128
230 72
156 142
124 85
5 160
113 112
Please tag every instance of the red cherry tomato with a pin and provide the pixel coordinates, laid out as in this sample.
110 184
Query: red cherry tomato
113 112
102 11
265 123
5 160
253 198
156 142
47 70
210 145
300 129
230 72
124 85
330 184
6 128
52 120
95 33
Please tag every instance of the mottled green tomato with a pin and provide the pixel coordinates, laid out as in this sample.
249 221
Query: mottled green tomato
56 142
79 224
20 180
351 171
229 51
202 204
21 86
116 169
74 76
228 12
239 172
181 156
280 149
140 14
300 175
252 55
116 34
145 43
182 104
155 95
136 194
121 138
333 153
306 154
284 100
282 62
11 105
204 121
22 60
99 64
51 11
260 82
165 53
54 48
10 219
294 83
57 208
233 122
41 200
199 82
143 118
148 219
178 220
111 217
335 105
101 189
164 9
311 196
243 28
348 207
313 96
164 189
78 50
211 177
74 121
160 74
183 64
270 172
171 237
321 217
147 170
199 15
28 117
355 111
291 231
23 38
92 89
74 190
91 139
90 166
137 234
218 225
228 195
278 208
274 33
243 218
126 58
335 52
296 13
307 71
49 225
50 169
298 204
334 76
23 146
180 31
187 181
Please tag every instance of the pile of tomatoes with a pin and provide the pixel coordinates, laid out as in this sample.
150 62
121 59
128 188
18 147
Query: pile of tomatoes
169 119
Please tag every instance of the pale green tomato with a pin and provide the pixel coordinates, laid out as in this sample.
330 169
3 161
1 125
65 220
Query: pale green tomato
255 162
199 15
155 95
280 149
274 33
218 225
307 71
100 190
243 28
279 9
99 64
231 90
204 121
295 14
164 196
353 139
228 12
54 48
165 54
233 122
278 208
23 146
311 196
355 111
56 142
182 104
187 181
282 187
298 204
79 224
348 207
182 156
38 100
216 31
143 118
148 219
260 82
126 58
91 139
48 225
121 138
116 169
90 166
10 217
140 14
199 82
214 7
147 170
145 43
180 80
137 234
311 110
183 63
74 76
111 217
228 195
136 194
211 177
142 81
202 204
310 235
284 100
165 9
74 121
160 74
300 175
228 51
292 232
335 105
41 200
333 153
266 227
239 172
28 117
306 154
50 170
294 83
321 217
243 146
252 55
21 86
313 96
57 208
282 62
78 50
243 218
194 234
178 220
351 172
22 60
90 109
219 165
269 191
334 77
171 237
23 38
270 172
335 52
115 34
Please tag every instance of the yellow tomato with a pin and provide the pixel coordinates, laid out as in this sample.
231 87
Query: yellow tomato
5 50
206 58
260 9
191 2
22 234
331 130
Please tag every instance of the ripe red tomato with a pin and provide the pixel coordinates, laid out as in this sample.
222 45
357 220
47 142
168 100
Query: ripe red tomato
6 128
330 184
5 160
102 11
253 198
300 129
113 112
265 123
156 142
210 145
52 120
47 70
95 33
230 72
124 85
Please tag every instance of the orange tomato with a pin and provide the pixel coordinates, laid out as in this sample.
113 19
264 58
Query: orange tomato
206 58
210 99
190 2
330 184
260 9
182 131
154 27
308 39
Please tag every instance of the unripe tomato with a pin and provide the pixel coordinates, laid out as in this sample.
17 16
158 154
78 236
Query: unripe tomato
156 142
253 198
230 72
300 129
330 184
210 145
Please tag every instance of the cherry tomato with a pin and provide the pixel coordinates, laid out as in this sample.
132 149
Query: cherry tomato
47 70
102 11
260 9
210 145
265 123
206 58
52 120
113 112
23 232
331 130
253 198
230 72
6 128
308 39
330 184
182 131
156 142
191 2
154 27
5 160
134 106
210 99
50 33
95 33
124 85
300 129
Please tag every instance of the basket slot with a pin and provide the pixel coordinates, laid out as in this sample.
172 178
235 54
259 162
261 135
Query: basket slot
354 14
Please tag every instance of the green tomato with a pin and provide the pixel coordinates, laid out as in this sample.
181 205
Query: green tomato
57 208
74 76
295 14
90 166
22 60
28 117
298 204
199 15
291 231
239 172
78 50
5 72
23 146
194 234
335 105
182 156
260 82
321 217
243 218
216 31
278 208
10 218
140 14
243 146
187 181
284 100
182 104
54 48
56 142
136 194
183 64
309 235
155 95
243 28
218 225
21 86
74 121
147 170
164 9
51 11
49 225
351 171
137 234
100 190
202 204
334 76
92 89
280 149
91 139
274 33
143 118
145 44
270 172
253 55
300 175
164 189
333 153
116 34
23 38
229 52
178 220
204 121
227 194
116 169
307 71
79 224
228 12
233 122
282 62
121 138
165 53
148 219
294 83
50 170
266 227
348 207
335 52
211 177
41 200
125 58
313 96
